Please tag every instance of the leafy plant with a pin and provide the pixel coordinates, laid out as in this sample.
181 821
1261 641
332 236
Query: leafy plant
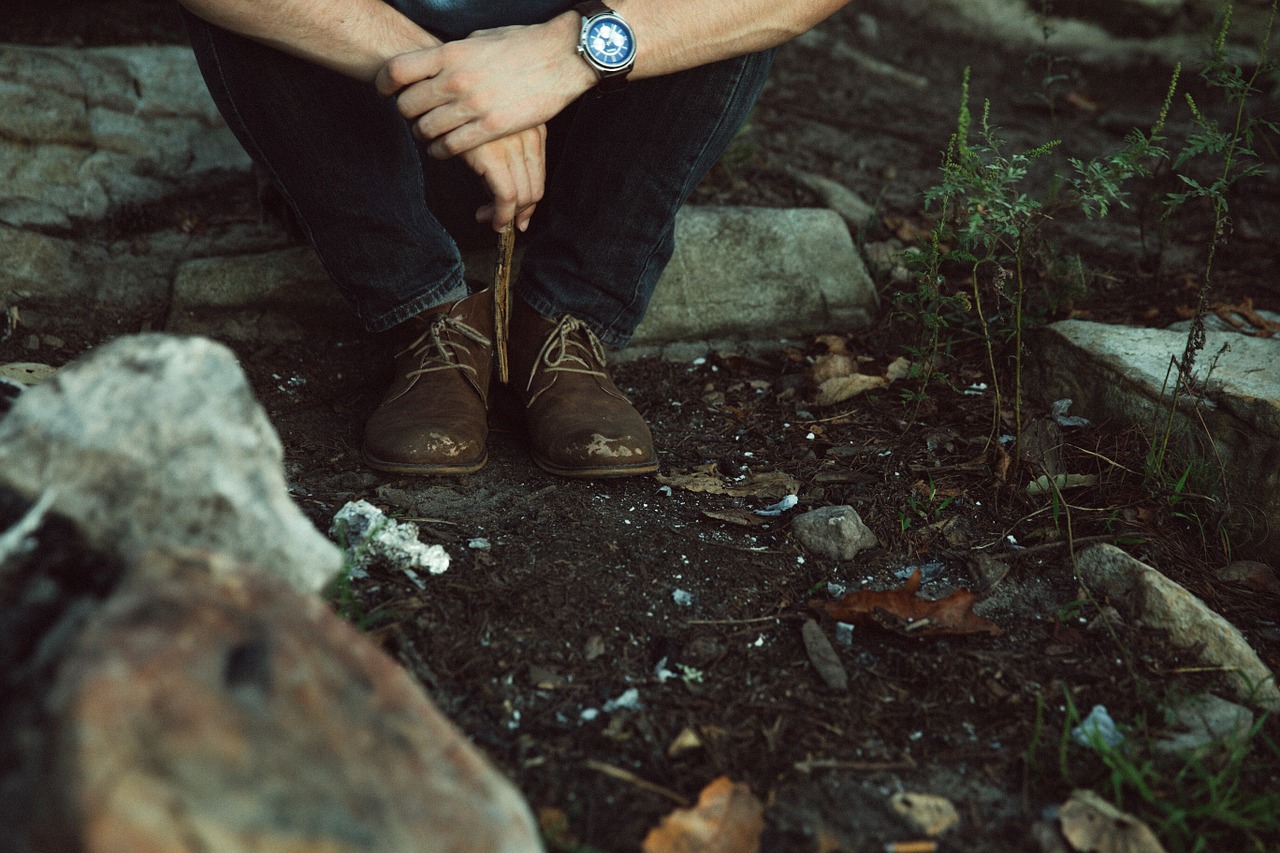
1232 149
990 225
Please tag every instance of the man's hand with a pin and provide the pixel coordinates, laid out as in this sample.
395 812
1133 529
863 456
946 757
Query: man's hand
488 86
514 169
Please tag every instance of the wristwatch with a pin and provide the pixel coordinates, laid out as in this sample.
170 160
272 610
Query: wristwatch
607 44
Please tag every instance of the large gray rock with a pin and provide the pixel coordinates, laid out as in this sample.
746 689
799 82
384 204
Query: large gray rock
206 707
1164 604
83 131
1228 434
157 441
741 272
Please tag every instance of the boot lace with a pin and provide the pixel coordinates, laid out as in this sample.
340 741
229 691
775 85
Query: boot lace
564 351
437 347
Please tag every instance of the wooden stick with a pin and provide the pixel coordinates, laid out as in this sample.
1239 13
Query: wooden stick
502 298
642 784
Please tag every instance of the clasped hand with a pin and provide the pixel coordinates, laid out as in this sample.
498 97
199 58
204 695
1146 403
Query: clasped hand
487 98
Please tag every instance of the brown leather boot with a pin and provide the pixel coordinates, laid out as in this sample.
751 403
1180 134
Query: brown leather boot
579 423
434 419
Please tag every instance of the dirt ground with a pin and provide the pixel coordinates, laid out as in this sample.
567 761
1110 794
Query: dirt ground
564 596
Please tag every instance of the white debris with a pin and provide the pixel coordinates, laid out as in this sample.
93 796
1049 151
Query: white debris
15 541
479 544
1098 728
662 673
789 502
590 714
844 634
630 700
369 537
682 597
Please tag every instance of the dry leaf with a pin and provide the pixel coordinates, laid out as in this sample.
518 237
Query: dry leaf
823 656
899 368
1231 314
770 484
727 819
831 366
1092 825
740 517
1042 485
686 741
837 377
833 343
907 230
840 388
905 612
928 813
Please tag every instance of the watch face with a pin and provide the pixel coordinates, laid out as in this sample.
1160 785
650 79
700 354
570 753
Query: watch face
608 40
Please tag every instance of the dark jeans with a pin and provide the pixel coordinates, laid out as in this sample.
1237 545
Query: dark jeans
376 207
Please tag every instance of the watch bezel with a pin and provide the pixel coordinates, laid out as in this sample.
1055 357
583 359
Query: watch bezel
607 70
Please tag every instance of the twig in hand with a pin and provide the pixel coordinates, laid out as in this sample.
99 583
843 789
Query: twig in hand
502 298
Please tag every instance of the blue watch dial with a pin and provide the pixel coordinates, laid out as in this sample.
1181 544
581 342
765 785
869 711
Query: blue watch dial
609 41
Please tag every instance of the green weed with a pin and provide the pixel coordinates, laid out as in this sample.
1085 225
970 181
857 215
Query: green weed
1219 799
1232 151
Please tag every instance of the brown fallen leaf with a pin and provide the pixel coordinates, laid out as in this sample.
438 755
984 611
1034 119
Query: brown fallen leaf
907 230
838 377
833 343
837 389
903 611
1092 825
706 479
740 517
727 819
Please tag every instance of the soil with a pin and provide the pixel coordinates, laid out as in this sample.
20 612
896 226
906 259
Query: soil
564 596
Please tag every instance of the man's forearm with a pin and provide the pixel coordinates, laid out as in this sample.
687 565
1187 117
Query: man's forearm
673 35
354 37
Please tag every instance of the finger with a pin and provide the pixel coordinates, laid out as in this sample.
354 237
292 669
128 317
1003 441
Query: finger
407 69
485 212
457 140
503 185
418 99
440 126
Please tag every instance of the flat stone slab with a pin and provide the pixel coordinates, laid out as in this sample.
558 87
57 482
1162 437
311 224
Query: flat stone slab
738 272
1229 432
743 272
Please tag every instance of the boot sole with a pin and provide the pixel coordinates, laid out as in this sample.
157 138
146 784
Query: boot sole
599 472
424 470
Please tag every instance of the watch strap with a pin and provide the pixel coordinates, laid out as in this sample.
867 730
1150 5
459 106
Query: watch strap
591 8
609 82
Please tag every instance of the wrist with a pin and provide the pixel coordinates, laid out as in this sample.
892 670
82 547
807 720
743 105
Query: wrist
578 76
